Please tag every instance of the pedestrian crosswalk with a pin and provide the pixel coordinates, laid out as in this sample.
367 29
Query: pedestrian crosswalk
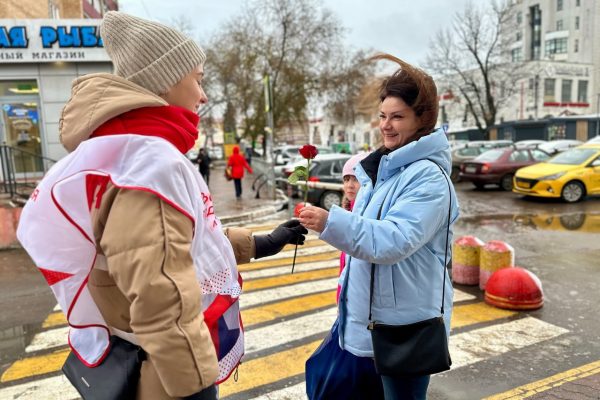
285 318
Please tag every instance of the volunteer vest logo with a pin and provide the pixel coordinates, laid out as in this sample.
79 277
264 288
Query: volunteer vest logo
56 230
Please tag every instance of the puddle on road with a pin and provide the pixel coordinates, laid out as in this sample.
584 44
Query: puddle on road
573 222
14 340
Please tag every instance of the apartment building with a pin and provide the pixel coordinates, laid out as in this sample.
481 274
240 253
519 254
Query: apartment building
556 44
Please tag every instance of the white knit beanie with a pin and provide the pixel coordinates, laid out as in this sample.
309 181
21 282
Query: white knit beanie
147 53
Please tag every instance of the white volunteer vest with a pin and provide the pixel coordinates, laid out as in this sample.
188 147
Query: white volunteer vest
56 230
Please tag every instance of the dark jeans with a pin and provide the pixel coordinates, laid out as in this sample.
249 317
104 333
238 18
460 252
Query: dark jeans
238 187
205 176
405 388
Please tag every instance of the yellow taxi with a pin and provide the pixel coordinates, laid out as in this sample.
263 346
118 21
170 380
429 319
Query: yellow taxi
571 175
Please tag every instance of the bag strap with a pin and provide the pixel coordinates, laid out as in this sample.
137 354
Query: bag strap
372 285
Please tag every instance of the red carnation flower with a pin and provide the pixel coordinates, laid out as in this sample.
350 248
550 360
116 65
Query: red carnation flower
308 151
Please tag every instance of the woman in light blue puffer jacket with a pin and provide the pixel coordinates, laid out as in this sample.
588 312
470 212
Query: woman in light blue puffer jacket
408 241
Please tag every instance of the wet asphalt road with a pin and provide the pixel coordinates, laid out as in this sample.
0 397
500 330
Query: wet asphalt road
559 242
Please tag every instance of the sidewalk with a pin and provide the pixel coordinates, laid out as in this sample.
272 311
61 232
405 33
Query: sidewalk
229 209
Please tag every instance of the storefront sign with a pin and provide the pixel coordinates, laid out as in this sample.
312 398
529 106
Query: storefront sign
50 40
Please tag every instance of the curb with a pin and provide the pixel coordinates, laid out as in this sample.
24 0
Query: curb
249 216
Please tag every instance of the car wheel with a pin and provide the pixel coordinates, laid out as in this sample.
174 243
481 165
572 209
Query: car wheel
573 192
479 185
507 182
330 198
454 174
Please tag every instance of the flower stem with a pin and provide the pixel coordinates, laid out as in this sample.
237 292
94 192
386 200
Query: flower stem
305 199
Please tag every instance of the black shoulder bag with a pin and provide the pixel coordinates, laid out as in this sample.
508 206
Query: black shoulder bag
117 376
414 349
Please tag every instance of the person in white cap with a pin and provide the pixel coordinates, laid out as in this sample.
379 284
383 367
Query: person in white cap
124 227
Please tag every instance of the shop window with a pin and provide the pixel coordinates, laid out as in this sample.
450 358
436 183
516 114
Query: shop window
20 124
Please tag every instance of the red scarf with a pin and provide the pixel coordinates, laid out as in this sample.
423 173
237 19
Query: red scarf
175 124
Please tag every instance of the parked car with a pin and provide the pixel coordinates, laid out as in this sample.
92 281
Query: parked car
594 140
215 153
192 155
570 175
498 166
471 150
324 168
558 146
284 155
457 143
529 144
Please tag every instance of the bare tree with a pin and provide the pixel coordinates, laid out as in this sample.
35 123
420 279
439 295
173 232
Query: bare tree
472 57
292 41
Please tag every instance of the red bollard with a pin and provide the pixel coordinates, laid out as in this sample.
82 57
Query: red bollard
465 260
514 289
495 255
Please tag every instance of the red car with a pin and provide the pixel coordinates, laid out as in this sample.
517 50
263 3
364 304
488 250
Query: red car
498 166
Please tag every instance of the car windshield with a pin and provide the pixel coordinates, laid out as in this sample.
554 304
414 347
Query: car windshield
491 155
573 156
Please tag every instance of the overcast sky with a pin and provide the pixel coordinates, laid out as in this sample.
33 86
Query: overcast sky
403 28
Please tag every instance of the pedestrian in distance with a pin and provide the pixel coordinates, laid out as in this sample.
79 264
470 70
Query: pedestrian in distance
124 229
396 235
203 160
236 165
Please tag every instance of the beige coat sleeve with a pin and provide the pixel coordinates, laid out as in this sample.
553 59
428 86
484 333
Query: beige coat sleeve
147 246
242 242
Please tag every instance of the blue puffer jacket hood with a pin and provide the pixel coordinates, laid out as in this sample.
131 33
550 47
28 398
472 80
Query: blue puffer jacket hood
406 244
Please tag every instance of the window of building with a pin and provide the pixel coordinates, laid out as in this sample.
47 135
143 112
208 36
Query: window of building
519 18
582 89
516 55
576 46
535 24
549 85
578 3
565 94
559 25
577 23
559 5
519 36
556 46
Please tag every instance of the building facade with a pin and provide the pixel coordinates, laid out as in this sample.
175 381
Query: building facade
556 44
41 53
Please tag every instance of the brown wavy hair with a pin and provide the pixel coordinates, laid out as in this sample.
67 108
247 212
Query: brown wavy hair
415 87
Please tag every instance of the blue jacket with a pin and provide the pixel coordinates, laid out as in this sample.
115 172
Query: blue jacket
407 243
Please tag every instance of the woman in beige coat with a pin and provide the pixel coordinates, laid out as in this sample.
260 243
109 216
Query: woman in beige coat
148 284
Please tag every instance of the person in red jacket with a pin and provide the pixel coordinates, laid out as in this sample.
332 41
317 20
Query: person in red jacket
237 163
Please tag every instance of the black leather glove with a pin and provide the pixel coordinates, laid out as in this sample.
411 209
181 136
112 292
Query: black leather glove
290 232
210 393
